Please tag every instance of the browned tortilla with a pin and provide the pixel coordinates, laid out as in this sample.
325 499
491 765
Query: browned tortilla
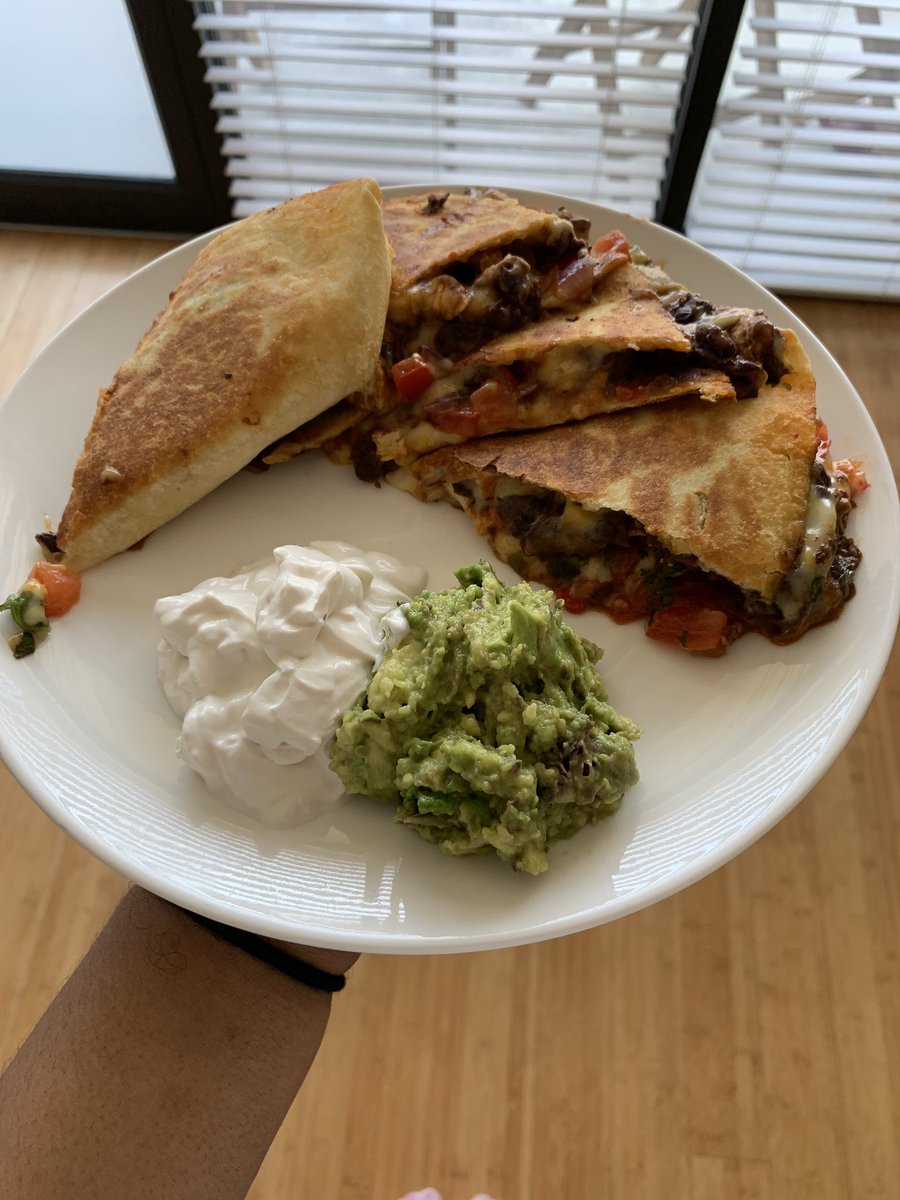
623 314
727 484
280 317
314 434
428 238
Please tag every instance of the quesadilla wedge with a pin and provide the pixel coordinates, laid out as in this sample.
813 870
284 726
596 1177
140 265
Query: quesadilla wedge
329 427
464 267
432 234
705 521
741 341
503 317
620 351
469 266
279 318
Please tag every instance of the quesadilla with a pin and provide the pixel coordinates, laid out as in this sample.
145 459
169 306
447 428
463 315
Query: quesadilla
741 341
504 317
465 267
469 266
621 350
280 317
705 521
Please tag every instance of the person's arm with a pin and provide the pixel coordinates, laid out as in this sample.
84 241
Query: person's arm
163 1068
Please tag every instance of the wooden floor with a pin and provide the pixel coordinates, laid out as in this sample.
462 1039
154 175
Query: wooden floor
740 1041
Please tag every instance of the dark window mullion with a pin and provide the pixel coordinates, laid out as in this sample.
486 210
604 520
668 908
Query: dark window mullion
714 38
170 48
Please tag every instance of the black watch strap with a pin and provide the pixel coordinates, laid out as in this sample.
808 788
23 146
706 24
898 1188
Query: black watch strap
279 960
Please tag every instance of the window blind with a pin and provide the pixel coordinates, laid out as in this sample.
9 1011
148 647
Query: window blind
800 181
560 95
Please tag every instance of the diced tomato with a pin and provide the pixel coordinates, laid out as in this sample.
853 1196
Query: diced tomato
496 401
573 604
855 475
688 626
615 240
625 607
823 449
61 585
608 252
412 376
850 468
451 415
622 562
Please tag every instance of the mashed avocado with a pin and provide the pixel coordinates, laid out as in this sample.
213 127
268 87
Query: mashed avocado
487 726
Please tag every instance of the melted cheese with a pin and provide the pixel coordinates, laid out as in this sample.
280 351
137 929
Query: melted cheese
816 554
569 368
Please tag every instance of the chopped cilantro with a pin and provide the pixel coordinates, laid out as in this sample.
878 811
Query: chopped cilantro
26 607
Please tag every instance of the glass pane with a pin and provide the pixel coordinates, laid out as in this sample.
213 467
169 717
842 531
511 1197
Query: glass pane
74 94
520 93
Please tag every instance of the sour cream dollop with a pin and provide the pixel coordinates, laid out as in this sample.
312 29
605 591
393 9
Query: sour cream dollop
260 666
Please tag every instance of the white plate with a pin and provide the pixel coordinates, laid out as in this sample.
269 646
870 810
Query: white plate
729 745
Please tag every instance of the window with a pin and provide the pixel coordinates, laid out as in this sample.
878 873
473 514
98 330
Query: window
559 95
791 170
111 125
99 116
800 184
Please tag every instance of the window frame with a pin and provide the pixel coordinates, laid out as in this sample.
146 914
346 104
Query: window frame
194 201
198 198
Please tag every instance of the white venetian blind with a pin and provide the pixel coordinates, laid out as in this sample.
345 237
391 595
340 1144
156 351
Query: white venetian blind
800 182
571 97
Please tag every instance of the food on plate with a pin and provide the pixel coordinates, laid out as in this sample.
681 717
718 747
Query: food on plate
504 317
320 432
743 342
261 665
50 590
470 265
660 456
26 607
280 317
488 726
705 521
62 586
620 350
465 267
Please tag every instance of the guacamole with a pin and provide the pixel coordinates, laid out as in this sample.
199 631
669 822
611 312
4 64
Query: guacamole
487 726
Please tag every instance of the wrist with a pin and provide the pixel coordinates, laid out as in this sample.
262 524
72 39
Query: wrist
336 962
319 969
